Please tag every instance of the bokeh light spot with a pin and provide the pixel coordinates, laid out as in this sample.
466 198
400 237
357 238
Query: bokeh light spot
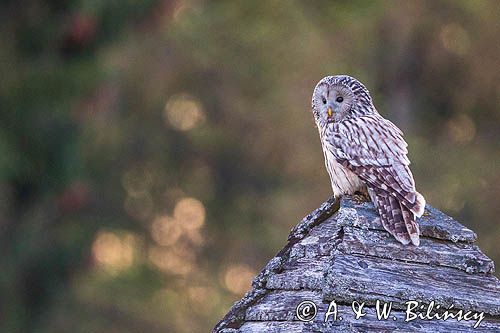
238 278
114 252
184 112
455 39
190 212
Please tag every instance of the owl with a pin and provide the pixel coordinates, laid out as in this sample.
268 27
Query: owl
366 153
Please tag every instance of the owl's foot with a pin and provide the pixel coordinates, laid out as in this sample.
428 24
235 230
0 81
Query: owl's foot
361 197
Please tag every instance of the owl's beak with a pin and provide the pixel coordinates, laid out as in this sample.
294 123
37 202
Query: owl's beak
330 112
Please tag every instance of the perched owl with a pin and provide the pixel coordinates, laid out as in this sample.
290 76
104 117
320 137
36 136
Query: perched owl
366 153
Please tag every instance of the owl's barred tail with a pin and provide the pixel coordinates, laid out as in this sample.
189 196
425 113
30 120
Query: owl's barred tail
391 218
414 201
411 225
397 219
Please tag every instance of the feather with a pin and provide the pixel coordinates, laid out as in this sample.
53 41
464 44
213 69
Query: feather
391 217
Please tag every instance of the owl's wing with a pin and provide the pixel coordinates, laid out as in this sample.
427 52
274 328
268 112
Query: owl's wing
374 149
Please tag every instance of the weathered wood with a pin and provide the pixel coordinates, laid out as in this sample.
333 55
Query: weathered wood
364 325
354 277
313 219
433 223
280 307
305 275
464 256
340 252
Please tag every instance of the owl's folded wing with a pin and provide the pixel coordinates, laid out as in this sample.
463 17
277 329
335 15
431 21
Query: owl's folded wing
374 149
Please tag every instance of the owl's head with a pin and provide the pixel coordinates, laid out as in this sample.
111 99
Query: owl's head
339 97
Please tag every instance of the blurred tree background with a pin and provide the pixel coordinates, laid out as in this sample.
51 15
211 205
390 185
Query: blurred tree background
155 154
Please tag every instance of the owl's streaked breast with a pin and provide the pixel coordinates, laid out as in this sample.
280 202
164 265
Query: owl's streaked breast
343 180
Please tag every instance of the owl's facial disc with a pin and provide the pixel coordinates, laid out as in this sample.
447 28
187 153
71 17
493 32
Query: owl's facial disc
338 103
331 103
336 98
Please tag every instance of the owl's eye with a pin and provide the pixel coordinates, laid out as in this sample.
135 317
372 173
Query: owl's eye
324 100
340 99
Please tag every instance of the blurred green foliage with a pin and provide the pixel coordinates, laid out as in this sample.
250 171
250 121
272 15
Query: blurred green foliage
155 154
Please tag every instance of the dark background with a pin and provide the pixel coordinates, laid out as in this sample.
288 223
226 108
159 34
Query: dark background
155 154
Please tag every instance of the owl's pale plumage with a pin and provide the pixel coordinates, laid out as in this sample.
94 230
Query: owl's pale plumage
366 153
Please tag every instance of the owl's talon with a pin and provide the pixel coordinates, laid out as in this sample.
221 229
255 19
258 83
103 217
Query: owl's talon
359 198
